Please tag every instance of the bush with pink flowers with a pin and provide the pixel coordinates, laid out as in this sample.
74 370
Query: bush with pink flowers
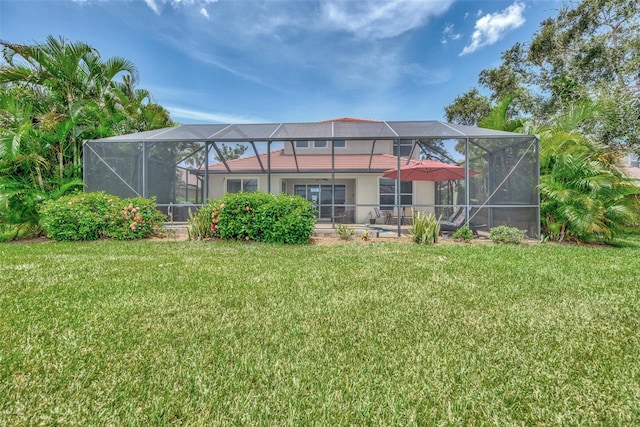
89 216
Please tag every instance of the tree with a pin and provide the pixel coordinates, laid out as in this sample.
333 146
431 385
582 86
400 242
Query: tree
468 108
589 52
583 196
53 96
230 152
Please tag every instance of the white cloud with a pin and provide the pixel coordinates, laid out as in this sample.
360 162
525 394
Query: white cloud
449 34
155 5
379 20
493 26
178 113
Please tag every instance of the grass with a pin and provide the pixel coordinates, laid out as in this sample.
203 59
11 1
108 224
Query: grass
200 333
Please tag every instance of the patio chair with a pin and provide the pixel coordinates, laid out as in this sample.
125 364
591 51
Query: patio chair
387 215
457 220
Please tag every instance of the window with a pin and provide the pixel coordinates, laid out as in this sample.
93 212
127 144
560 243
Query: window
340 143
388 193
319 144
245 184
302 144
405 147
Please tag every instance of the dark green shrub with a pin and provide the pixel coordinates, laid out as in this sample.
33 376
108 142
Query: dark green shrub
89 216
285 219
236 213
81 216
255 216
463 234
506 234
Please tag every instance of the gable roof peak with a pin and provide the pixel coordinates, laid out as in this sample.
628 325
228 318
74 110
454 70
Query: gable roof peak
349 119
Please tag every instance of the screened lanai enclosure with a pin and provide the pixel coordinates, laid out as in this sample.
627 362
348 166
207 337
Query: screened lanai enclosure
348 168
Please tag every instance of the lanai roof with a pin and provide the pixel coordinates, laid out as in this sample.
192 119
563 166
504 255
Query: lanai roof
326 130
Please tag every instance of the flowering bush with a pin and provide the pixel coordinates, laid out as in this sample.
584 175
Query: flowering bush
506 234
89 216
256 216
137 219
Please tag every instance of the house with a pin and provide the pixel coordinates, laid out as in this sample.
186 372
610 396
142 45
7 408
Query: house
337 164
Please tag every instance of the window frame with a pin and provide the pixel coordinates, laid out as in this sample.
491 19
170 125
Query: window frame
342 141
243 184
403 193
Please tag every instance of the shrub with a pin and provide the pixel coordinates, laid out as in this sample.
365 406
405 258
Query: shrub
285 219
198 225
506 234
425 228
134 218
463 234
89 216
255 216
345 232
81 216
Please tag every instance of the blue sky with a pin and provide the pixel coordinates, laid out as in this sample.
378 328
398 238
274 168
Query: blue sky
241 61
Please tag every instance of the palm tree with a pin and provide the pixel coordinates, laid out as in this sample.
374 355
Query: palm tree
582 195
67 94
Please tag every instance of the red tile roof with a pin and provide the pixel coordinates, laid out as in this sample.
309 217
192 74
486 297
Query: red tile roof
281 162
349 119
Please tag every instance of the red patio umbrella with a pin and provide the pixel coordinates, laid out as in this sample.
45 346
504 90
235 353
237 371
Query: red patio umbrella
428 170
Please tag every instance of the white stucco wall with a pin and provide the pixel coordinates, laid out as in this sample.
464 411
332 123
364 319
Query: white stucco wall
361 189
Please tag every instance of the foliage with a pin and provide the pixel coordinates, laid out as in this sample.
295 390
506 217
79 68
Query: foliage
583 196
589 51
89 216
463 234
256 216
366 235
198 224
425 228
53 96
344 232
507 235
285 219
468 109
226 152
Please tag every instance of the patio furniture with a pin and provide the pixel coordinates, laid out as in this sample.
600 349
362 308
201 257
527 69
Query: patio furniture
402 217
386 215
457 220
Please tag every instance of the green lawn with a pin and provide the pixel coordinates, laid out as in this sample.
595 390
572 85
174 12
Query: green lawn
201 333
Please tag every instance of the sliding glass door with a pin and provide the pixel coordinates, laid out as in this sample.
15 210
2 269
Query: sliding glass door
324 197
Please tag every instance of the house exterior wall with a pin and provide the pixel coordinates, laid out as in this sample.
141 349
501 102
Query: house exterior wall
362 190
352 147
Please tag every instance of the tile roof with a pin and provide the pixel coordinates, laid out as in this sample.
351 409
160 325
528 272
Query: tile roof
280 162
349 119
